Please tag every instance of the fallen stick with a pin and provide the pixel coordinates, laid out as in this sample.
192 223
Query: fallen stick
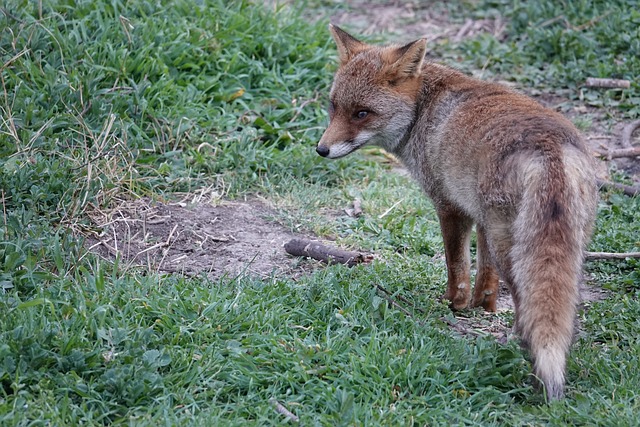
620 152
398 306
330 255
607 83
284 411
611 255
629 190
628 150
627 132
463 30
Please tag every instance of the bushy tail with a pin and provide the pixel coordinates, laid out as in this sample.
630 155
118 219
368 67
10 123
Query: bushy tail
552 227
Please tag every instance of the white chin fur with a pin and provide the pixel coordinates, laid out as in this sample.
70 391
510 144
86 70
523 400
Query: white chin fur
343 148
340 150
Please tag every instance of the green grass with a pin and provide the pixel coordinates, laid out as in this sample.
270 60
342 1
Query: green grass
556 44
108 100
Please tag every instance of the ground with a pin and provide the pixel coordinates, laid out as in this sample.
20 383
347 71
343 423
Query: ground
242 237
226 239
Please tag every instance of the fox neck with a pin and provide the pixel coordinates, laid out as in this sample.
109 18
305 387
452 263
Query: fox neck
398 145
427 92
436 81
397 140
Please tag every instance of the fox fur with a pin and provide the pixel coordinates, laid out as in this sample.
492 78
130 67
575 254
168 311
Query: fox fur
485 155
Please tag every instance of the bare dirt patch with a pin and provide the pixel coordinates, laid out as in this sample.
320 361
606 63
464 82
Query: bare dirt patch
411 20
228 239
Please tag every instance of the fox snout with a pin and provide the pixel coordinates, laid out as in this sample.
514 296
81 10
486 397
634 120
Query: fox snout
322 150
338 149
339 140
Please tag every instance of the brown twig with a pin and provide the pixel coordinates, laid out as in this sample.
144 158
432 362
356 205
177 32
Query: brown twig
627 132
301 107
607 83
463 30
618 153
284 411
113 251
625 140
389 297
400 307
629 190
330 255
591 22
611 255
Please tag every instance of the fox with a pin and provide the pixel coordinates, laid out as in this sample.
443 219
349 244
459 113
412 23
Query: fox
486 155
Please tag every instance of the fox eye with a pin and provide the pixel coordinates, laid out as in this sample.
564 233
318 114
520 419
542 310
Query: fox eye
361 114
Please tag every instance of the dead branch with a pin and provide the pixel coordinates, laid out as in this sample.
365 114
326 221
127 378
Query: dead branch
624 152
620 152
607 83
628 150
463 30
627 132
159 245
629 190
330 255
284 411
611 255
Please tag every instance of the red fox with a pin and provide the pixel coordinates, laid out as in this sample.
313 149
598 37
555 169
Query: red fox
485 155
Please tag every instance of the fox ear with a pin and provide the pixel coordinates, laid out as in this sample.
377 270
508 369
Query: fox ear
410 58
348 45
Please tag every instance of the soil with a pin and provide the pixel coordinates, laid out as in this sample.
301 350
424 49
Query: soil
230 239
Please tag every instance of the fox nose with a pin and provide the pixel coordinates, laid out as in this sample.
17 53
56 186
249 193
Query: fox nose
322 150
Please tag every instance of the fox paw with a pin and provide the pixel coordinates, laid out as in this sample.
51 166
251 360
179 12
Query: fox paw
458 300
486 300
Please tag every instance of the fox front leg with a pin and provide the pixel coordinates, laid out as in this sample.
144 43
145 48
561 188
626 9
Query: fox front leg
456 233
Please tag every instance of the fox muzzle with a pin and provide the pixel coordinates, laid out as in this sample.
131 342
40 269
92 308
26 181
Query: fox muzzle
322 150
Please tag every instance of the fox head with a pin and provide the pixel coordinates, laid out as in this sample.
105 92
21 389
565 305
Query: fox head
374 95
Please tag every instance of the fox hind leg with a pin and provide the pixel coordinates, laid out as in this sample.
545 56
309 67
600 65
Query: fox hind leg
456 233
495 242
485 292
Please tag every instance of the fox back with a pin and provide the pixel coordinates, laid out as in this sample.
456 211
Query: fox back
485 155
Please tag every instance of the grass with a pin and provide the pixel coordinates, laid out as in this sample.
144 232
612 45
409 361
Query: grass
109 100
553 45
